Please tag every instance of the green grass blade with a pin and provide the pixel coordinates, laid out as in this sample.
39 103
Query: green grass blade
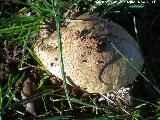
153 85
63 117
45 77
84 103
61 59
136 6
11 94
55 11
34 56
18 28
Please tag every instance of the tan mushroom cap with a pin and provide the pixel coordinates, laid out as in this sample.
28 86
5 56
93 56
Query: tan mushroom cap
90 61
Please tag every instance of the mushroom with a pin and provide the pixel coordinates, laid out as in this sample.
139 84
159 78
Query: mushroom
90 60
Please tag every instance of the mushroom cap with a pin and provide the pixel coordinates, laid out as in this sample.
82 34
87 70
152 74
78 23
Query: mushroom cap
90 61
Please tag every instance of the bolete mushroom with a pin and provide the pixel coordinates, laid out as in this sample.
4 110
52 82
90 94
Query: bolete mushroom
90 61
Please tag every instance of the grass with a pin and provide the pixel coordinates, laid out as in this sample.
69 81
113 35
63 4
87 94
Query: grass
136 69
55 11
18 30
